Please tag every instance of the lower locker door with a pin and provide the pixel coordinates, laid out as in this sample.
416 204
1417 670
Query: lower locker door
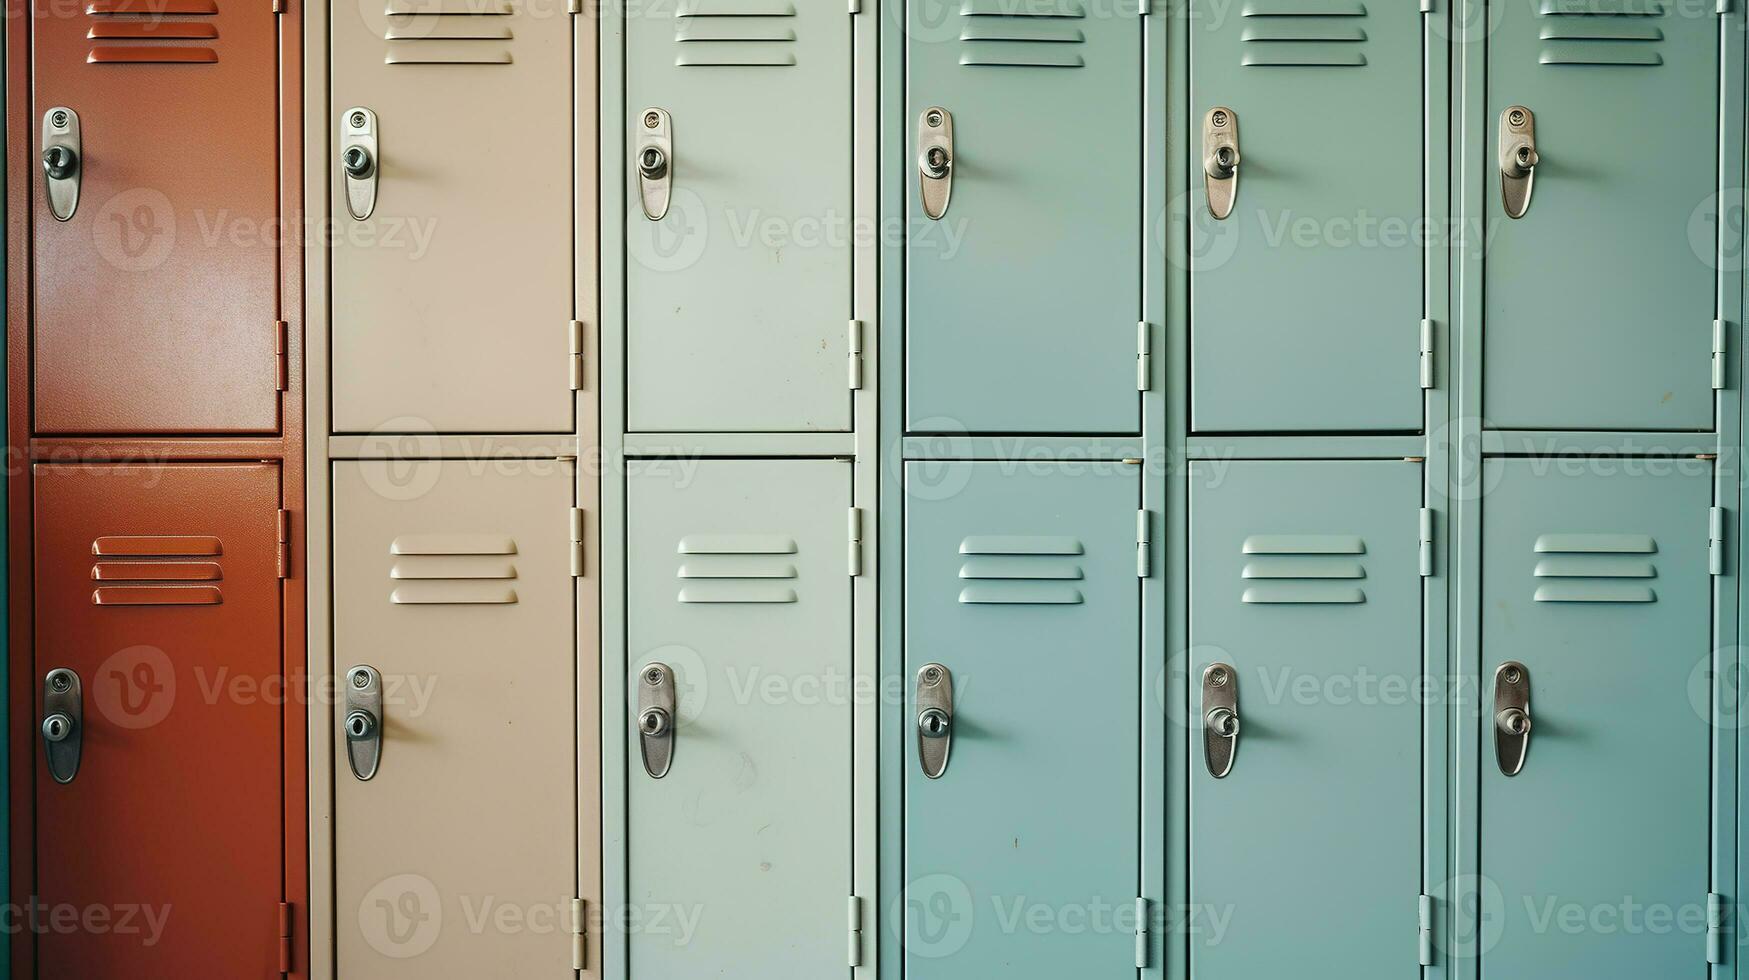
1022 858
740 853
458 858
1594 857
157 587
1306 603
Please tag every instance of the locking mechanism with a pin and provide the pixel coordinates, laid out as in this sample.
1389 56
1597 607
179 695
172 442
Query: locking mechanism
61 161
63 725
655 162
1511 716
935 160
934 718
1518 159
1220 719
359 161
657 704
1220 159
364 720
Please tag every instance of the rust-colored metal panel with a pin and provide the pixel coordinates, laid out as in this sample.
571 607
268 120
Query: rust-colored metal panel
172 822
156 299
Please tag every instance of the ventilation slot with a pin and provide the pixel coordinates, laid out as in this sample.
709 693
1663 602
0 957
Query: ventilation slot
1622 33
1303 569
1328 34
148 32
1022 34
1021 570
735 34
448 32
1595 568
452 570
737 568
155 570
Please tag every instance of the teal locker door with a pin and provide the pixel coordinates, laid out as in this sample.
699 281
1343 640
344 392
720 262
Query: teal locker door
1317 271
1599 301
1596 582
740 855
1023 297
738 298
1021 859
1306 592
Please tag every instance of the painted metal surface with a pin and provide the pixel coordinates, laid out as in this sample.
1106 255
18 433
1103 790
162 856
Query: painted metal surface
168 269
739 858
739 297
157 585
1317 272
461 596
1022 301
1305 580
1022 581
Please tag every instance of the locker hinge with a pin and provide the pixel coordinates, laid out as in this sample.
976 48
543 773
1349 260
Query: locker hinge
1426 542
282 553
1720 348
1715 928
856 6
282 354
1426 355
575 7
1144 356
855 922
855 540
1141 934
1715 549
1144 7
279 6
1144 541
1427 6
1724 6
285 938
576 355
1425 939
853 343
576 542
579 934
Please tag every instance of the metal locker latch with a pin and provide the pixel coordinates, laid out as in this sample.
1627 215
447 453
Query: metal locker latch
656 713
1518 159
655 162
934 718
1220 703
1220 159
935 160
1511 716
359 161
364 720
63 724
61 161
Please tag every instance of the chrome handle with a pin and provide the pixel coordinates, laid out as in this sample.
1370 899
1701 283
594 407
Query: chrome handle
359 159
1220 734
1511 716
935 160
1518 159
934 718
63 725
364 720
62 158
655 162
657 704
1220 159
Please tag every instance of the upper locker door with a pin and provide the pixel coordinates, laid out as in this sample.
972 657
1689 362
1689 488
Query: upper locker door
1025 241
1022 599
158 638
1305 251
739 817
156 241
452 245
1305 613
459 600
738 271
1597 607
1599 300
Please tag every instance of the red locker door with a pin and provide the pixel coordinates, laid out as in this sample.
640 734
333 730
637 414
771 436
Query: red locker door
156 305
158 587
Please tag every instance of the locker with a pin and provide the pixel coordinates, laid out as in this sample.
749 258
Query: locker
1599 299
1313 269
1024 223
1023 693
456 608
157 643
738 216
1596 613
452 204
155 218
1305 624
738 823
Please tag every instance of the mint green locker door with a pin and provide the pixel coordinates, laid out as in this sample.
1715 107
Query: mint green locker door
1597 602
1305 623
1315 271
739 822
1599 300
738 270
1022 595
1024 259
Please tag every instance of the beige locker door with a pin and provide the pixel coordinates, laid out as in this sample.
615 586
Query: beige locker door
457 859
452 301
